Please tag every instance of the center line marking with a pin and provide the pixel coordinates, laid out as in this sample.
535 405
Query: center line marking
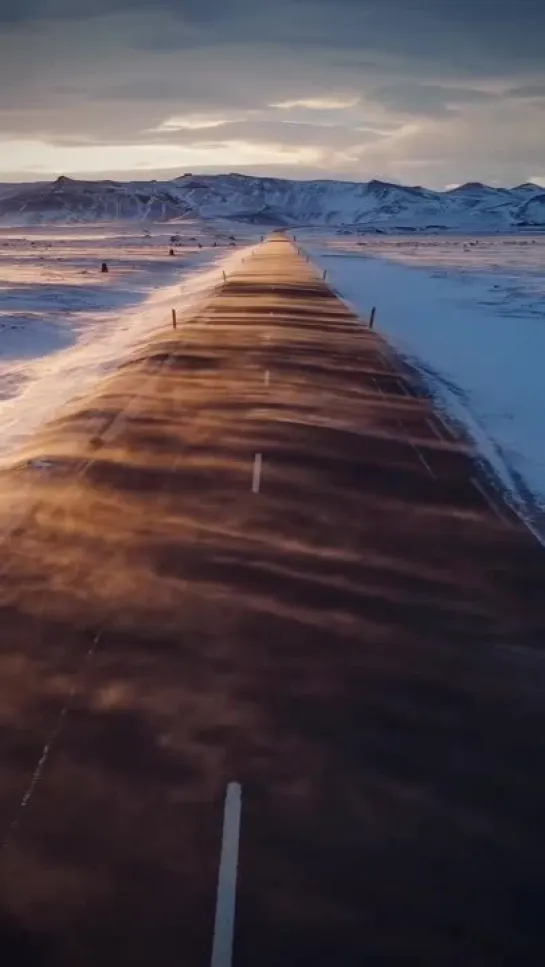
256 477
224 923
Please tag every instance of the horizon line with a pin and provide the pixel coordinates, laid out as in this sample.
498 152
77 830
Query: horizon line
240 174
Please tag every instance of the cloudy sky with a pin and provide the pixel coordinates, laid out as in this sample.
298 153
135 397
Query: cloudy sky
433 92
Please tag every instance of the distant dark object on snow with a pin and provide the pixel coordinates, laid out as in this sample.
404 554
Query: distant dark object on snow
104 267
171 251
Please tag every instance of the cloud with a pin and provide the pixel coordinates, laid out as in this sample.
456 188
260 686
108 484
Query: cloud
435 100
478 37
472 147
419 90
528 92
318 103
43 157
192 122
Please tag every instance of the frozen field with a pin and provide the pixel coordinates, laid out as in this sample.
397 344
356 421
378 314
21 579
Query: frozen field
469 315
64 324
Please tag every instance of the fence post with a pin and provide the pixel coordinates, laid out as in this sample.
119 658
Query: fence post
372 319
324 275
224 276
174 321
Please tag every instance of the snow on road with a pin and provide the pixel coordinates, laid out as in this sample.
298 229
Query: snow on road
64 325
470 317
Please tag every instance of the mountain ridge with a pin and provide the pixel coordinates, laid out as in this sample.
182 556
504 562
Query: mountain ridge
372 205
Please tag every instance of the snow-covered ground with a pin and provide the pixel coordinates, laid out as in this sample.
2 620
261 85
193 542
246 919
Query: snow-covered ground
469 315
64 324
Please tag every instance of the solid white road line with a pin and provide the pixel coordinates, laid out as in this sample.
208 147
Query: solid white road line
423 460
433 426
256 476
402 385
224 923
444 423
401 425
491 503
418 453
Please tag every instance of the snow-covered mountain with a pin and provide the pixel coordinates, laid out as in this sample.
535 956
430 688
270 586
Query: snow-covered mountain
68 200
533 211
368 206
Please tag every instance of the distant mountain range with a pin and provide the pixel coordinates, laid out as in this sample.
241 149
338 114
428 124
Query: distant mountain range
365 206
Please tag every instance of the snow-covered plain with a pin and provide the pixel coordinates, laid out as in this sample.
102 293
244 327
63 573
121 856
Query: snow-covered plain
469 315
64 324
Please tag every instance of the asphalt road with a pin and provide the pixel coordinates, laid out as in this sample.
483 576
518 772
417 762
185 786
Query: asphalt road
256 560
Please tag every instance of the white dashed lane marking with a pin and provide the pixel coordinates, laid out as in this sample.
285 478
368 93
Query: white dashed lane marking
256 475
224 923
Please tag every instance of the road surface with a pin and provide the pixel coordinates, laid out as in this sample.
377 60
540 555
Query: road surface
257 563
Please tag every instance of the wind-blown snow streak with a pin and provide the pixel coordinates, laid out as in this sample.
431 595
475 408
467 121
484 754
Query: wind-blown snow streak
50 381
